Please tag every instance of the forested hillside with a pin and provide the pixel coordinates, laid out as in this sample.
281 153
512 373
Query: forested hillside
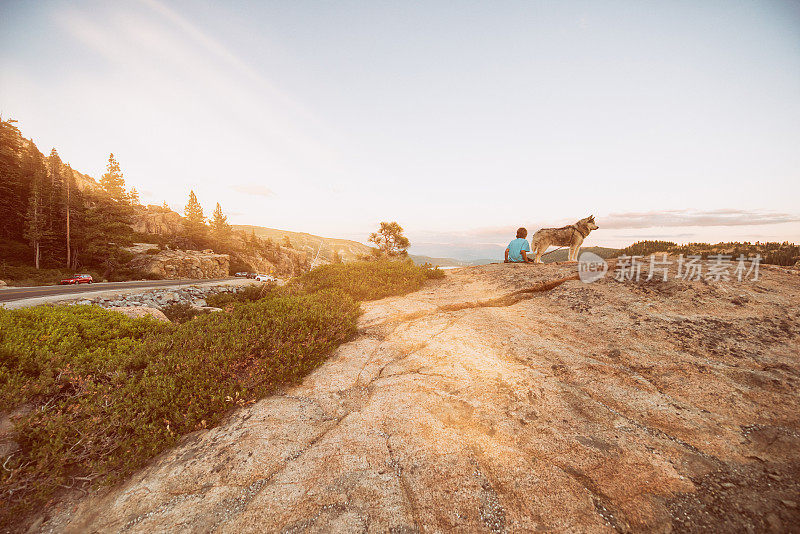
55 220
53 216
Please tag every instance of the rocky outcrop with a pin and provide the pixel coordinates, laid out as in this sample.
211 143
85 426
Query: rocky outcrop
156 220
283 262
179 264
508 397
137 312
159 298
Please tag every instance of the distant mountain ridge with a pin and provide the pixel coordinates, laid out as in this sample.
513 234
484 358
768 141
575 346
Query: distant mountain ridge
317 246
323 248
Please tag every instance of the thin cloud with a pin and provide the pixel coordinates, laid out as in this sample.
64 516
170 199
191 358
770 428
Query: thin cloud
656 236
679 218
254 189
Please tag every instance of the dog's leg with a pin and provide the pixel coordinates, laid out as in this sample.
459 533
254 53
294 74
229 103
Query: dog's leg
540 248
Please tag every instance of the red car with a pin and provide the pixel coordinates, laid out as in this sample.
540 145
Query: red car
78 279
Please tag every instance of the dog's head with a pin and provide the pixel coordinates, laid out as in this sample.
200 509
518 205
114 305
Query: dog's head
589 222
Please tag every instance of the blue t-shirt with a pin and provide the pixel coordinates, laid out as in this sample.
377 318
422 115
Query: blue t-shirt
516 247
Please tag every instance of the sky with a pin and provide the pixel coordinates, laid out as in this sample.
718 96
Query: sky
462 121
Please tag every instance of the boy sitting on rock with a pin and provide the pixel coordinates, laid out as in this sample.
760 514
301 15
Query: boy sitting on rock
517 250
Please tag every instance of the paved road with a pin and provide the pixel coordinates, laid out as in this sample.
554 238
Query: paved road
21 293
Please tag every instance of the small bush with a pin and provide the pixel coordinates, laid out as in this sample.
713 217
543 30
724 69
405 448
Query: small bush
250 293
220 300
180 312
368 280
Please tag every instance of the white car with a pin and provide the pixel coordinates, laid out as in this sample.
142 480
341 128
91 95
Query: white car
266 278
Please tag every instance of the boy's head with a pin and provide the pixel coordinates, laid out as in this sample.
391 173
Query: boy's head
522 232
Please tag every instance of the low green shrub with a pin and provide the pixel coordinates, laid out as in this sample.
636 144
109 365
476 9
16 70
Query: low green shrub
250 293
41 347
180 312
111 392
368 280
220 300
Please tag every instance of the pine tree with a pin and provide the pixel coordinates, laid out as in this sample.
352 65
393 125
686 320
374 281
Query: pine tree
193 210
68 208
219 224
35 223
105 229
113 181
195 221
54 196
14 186
134 197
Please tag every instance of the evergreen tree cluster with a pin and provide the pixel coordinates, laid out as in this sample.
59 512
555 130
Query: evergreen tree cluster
771 252
46 221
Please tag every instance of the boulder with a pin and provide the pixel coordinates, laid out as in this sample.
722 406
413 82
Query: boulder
140 311
3 284
177 264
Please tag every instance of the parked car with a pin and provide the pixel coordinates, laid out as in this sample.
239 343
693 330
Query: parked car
241 274
78 279
266 278
252 275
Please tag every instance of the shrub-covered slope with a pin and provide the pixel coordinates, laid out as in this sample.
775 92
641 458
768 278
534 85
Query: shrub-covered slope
99 393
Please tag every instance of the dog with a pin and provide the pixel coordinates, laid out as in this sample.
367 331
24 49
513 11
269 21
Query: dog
571 236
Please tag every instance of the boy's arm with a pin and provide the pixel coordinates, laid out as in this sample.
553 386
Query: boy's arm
506 260
525 249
